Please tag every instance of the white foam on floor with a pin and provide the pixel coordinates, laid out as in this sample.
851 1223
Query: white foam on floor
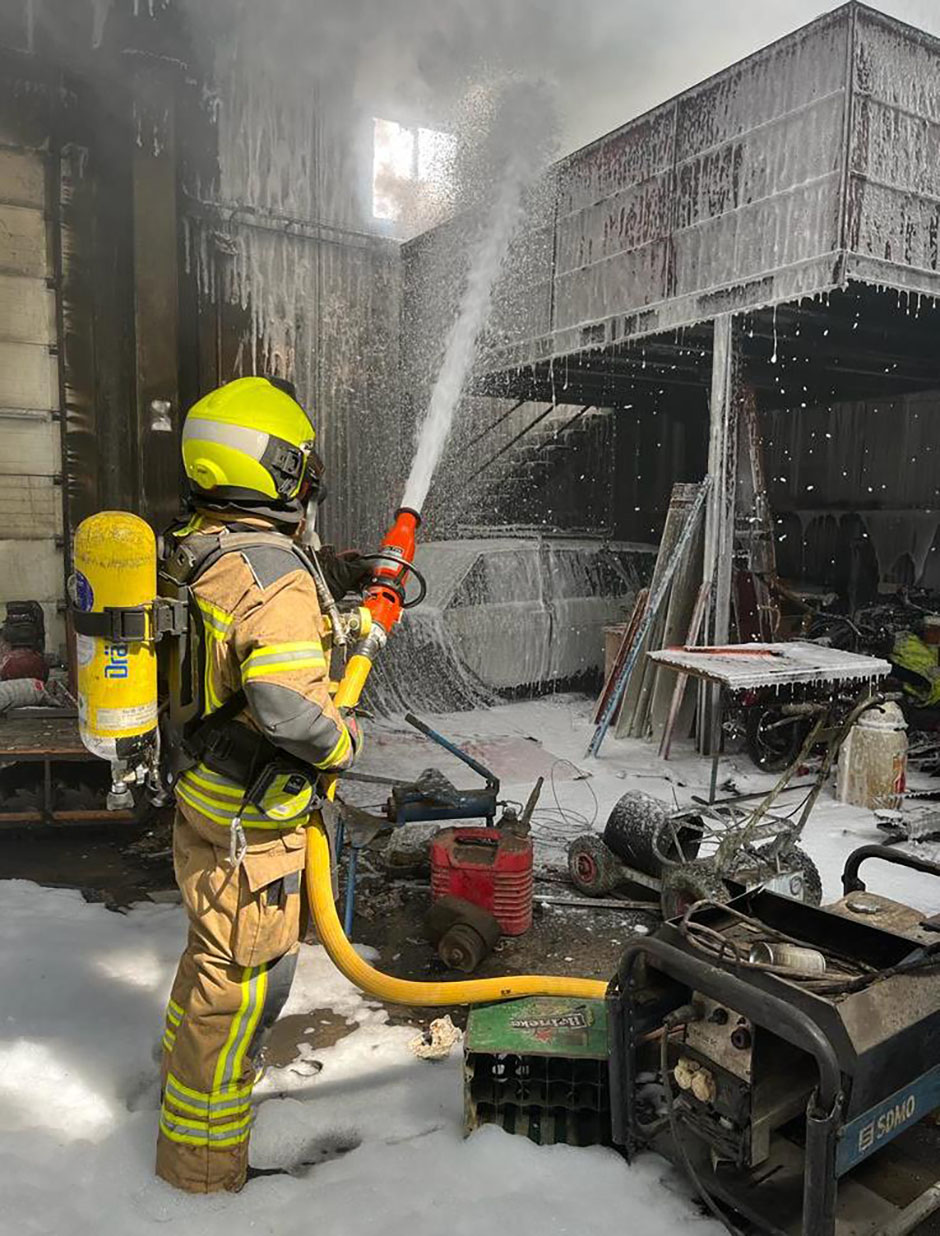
83 994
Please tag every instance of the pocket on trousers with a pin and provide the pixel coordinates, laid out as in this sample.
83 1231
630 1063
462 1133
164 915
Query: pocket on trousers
268 920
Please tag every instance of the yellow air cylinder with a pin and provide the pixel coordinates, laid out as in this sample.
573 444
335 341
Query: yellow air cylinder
115 562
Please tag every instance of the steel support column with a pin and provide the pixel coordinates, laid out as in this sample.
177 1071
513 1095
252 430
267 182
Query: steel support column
719 517
723 468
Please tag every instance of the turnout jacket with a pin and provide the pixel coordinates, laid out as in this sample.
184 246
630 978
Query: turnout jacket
264 635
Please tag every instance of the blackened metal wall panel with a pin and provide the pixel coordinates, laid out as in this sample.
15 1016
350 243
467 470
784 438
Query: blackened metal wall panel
31 509
522 304
354 389
322 307
856 492
615 210
156 293
763 200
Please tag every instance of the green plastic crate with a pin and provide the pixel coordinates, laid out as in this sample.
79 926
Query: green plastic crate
538 1067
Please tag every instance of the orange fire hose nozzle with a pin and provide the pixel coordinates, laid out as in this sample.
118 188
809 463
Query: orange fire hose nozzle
385 601
385 596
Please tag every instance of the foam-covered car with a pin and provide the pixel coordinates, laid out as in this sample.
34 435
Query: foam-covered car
508 614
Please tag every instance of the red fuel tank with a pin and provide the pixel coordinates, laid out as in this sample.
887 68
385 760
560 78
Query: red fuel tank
488 867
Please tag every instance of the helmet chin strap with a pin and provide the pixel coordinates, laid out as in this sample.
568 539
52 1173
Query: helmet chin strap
310 538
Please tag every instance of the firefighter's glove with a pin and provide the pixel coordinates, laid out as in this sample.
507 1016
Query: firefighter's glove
355 733
345 572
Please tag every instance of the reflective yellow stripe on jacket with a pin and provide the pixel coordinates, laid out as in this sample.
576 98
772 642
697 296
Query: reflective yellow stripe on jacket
217 624
339 752
220 800
277 658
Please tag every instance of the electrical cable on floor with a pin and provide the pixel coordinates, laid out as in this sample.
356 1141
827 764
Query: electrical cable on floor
686 1162
558 825
580 777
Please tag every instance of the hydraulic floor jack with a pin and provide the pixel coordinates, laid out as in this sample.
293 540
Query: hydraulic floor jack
432 797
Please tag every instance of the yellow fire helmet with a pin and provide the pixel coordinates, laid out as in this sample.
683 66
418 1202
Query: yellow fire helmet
249 441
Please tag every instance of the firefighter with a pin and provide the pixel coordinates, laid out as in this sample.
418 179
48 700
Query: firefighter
238 843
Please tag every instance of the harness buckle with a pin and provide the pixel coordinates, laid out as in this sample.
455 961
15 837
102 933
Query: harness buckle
170 617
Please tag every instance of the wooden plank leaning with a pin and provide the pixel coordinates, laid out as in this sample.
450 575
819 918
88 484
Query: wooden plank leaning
656 600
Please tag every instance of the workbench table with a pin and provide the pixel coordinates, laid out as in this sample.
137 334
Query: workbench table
750 667
48 740
747 667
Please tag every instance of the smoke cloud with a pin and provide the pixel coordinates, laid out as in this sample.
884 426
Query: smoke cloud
299 82
414 60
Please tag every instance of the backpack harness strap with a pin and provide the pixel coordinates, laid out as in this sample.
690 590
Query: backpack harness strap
220 741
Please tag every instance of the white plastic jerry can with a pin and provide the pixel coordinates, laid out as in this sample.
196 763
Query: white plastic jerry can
873 761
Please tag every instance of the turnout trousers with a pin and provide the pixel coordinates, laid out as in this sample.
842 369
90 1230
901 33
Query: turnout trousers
232 982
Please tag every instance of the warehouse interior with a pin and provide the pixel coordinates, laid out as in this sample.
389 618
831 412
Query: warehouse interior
126 194
697 416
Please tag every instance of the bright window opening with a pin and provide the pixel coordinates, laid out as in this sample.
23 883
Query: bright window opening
412 173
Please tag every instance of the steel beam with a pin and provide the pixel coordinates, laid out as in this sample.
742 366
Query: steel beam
722 467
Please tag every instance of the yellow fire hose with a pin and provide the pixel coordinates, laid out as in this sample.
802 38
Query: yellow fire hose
383 986
404 991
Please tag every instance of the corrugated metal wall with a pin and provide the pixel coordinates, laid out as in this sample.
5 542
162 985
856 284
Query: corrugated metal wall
353 379
337 331
31 507
291 279
855 489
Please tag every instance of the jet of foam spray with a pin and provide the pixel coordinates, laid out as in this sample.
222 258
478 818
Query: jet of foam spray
486 261
462 338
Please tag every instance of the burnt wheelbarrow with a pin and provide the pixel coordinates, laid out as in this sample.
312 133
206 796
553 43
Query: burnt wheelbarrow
681 857
689 855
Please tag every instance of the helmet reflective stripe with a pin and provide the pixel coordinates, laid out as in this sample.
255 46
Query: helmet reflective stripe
251 442
281 464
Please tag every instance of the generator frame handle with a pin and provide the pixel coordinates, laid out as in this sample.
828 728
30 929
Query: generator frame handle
851 883
824 1108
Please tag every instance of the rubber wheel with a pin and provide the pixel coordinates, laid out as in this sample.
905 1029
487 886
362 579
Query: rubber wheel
796 859
593 869
462 948
683 886
638 825
773 749
812 881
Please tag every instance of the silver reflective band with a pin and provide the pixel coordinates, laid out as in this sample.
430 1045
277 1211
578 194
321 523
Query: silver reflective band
252 442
